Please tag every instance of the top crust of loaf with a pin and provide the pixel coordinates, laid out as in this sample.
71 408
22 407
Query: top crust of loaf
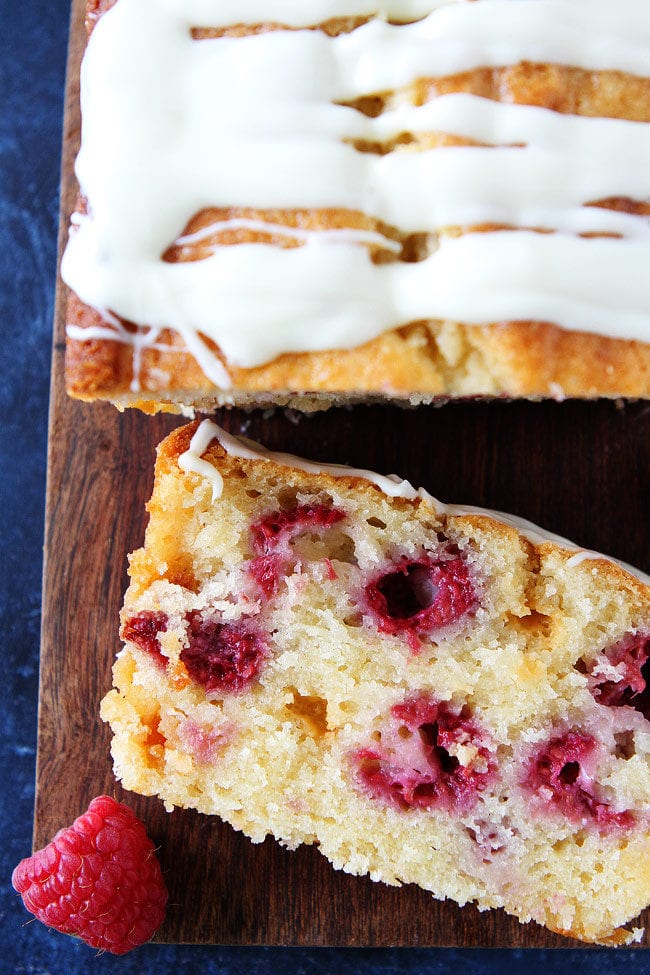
420 362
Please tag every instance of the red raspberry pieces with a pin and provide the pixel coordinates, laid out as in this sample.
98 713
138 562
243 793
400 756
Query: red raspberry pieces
436 756
143 629
272 535
629 659
557 777
266 571
418 596
99 879
275 530
203 741
223 656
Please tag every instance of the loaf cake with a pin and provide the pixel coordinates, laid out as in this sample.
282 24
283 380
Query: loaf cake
341 200
433 695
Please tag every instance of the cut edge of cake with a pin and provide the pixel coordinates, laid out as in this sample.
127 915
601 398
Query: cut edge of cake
329 656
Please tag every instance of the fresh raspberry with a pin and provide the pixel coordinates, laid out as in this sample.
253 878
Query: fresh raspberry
434 756
556 775
618 677
222 656
99 879
143 629
418 596
272 535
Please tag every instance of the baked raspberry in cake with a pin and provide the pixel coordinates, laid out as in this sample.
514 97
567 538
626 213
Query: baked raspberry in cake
431 694
350 200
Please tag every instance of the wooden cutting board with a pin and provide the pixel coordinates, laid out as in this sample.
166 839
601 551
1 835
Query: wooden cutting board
580 469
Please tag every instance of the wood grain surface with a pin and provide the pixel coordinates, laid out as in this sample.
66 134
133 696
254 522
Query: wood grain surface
580 469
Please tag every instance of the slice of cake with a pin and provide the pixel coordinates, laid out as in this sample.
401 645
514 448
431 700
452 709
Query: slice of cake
433 695
342 200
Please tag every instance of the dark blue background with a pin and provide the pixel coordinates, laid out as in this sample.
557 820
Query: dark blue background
33 36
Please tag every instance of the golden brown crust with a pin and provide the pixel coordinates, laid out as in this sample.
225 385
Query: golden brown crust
418 361
530 359
537 357
95 366
333 27
609 94
301 220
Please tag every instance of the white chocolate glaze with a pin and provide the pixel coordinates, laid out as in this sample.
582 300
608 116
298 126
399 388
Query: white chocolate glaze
256 122
288 304
394 487
208 430
192 460
147 338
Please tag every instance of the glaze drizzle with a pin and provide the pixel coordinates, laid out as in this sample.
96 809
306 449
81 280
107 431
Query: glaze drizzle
193 461
284 141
